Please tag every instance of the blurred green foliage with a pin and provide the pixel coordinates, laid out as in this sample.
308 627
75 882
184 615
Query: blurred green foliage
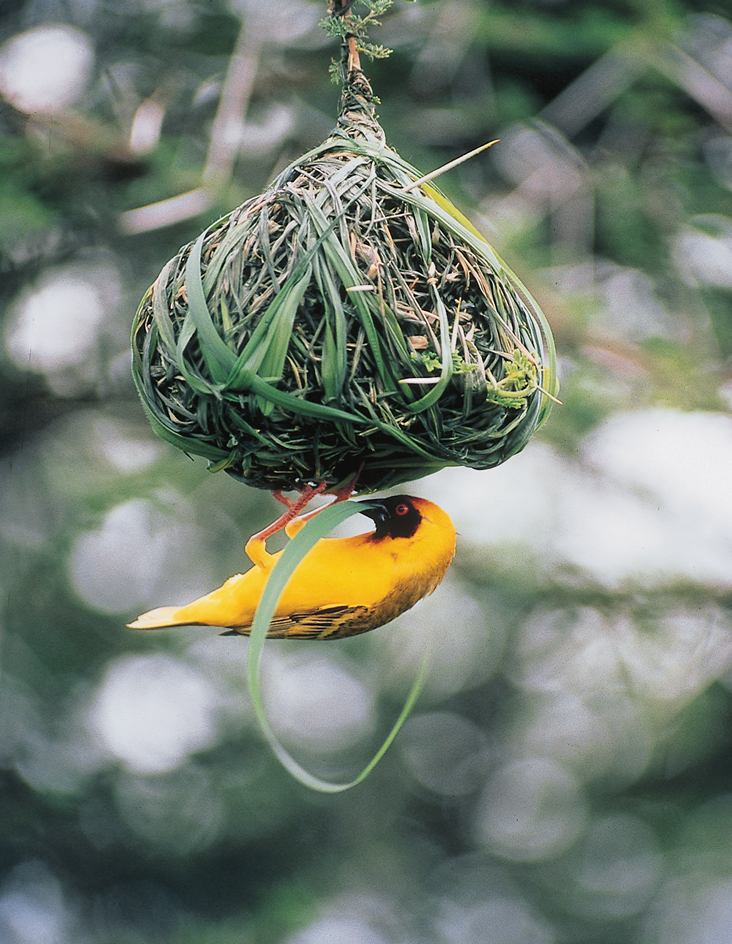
565 775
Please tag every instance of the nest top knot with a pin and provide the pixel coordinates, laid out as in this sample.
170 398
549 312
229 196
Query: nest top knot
356 115
345 317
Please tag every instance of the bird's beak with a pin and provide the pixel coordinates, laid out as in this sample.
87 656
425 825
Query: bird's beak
374 509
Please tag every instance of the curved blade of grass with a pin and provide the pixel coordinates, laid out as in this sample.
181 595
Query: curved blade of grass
315 529
160 309
344 267
334 365
445 363
248 380
169 434
443 210
264 343
161 423
431 202
216 353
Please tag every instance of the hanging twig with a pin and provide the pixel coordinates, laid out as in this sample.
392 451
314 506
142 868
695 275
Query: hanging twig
350 56
352 29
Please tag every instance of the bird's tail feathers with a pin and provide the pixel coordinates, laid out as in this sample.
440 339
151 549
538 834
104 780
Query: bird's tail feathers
159 618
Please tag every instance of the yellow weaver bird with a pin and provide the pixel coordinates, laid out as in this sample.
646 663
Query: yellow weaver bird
344 586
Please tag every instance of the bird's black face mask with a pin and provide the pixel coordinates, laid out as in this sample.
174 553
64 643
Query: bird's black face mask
395 517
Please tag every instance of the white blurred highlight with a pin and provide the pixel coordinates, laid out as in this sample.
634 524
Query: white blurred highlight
531 810
627 302
122 448
463 645
604 738
151 712
147 126
180 812
682 459
139 550
599 691
618 867
498 920
693 909
667 659
650 504
339 930
317 702
46 69
55 327
32 907
703 253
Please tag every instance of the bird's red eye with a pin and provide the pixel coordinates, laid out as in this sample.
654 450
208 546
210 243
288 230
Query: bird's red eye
402 509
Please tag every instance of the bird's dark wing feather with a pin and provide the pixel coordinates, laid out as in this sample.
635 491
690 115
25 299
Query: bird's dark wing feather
327 622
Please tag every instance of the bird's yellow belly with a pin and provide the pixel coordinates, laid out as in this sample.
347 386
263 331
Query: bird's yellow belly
332 575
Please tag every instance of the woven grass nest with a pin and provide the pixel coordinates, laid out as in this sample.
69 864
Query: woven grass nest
343 319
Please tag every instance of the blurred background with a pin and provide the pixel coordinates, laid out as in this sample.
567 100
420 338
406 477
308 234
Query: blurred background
566 775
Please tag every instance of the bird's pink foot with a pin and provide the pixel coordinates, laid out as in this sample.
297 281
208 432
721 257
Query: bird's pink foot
341 494
255 547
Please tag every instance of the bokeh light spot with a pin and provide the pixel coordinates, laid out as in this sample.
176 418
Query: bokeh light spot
530 811
46 69
317 702
445 753
139 545
151 712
